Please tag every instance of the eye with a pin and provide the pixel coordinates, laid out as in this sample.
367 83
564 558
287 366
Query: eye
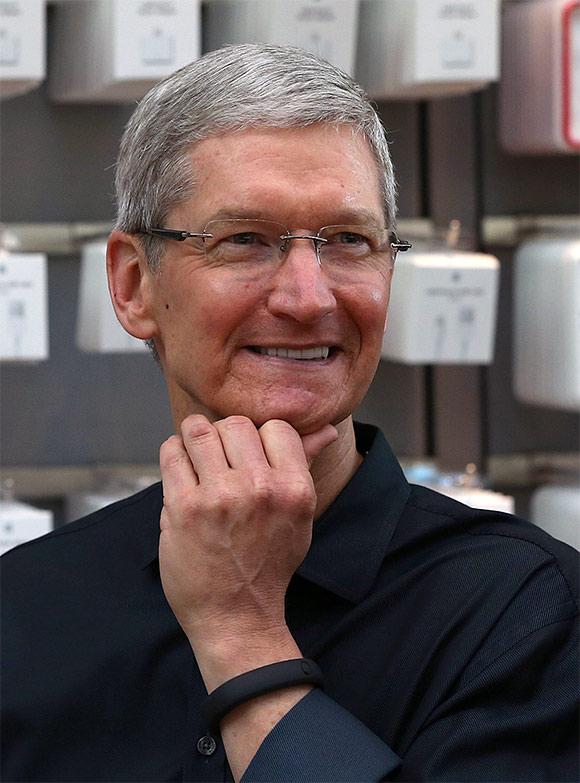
245 238
350 238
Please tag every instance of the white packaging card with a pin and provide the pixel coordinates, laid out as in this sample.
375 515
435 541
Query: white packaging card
98 329
20 523
547 322
114 51
165 35
442 309
23 307
427 48
22 45
456 41
326 27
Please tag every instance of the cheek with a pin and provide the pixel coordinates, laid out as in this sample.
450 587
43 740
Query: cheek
372 307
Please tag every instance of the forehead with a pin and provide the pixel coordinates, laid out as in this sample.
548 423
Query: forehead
286 174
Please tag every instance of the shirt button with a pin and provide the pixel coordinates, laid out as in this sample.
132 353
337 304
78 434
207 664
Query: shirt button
206 745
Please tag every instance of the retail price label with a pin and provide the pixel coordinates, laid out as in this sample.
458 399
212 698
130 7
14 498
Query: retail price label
20 523
23 307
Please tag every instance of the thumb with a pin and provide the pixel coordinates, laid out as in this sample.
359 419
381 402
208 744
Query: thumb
315 442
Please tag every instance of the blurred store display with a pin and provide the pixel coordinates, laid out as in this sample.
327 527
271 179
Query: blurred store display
410 49
547 321
22 46
23 307
80 504
540 85
328 29
556 509
20 522
98 329
466 487
443 305
114 51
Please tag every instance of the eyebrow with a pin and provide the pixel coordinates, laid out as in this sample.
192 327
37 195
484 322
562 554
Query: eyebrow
356 216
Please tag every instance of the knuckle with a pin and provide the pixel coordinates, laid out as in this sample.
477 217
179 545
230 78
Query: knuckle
236 422
303 496
171 452
262 489
279 426
197 428
298 496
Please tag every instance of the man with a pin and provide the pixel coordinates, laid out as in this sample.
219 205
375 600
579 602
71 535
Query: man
254 250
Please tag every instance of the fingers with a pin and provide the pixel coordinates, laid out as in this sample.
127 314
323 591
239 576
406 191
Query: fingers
241 442
316 442
208 449
285 449
204 446
177 473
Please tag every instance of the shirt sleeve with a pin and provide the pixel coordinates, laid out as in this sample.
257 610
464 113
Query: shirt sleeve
318 740
516 720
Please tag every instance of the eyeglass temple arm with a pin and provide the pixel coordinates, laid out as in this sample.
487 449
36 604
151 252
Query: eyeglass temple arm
180 236
400 245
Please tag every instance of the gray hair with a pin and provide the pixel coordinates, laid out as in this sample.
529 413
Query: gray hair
227 90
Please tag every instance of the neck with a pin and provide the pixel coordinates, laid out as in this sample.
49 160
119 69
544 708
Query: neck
335 466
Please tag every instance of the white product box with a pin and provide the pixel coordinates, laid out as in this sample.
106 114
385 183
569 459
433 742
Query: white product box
540 85
427 48
443 308
326 27
98 329
20 523
23 307
114 51
22 46
556 509
547 322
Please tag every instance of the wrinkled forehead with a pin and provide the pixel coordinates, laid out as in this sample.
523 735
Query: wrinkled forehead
318 171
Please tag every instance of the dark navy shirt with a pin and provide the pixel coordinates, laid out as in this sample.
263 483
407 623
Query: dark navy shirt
446 636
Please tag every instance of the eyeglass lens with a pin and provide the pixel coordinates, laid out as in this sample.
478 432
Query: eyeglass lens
260 241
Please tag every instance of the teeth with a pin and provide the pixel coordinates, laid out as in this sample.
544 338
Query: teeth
291 353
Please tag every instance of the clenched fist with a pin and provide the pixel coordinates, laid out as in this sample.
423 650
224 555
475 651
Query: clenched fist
236 523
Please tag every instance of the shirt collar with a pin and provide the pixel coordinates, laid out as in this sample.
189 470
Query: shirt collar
351 538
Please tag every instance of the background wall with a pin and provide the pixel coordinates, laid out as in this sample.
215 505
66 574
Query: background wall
83 409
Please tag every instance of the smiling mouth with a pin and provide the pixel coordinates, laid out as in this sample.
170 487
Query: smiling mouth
302 354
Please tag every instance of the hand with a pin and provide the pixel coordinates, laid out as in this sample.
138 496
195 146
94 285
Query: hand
236 523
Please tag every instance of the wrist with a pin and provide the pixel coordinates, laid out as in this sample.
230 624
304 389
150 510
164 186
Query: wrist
220 658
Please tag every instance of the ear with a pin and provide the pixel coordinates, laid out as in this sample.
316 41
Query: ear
130 285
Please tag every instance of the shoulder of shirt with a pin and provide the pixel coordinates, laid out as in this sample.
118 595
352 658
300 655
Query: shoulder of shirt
518 538
106 524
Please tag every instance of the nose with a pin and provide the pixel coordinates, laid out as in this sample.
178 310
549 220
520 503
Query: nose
300 289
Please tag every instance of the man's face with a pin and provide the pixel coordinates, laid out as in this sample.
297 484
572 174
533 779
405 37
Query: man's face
214 322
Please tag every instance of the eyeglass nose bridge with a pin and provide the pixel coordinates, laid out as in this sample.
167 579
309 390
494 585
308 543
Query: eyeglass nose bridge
316 241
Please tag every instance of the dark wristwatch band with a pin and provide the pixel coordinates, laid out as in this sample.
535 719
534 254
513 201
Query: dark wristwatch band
257 682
